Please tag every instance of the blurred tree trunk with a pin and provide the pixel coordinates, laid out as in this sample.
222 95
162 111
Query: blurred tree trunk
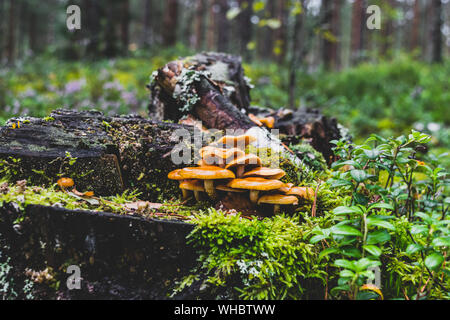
10 53
297 51
415 26
266 47
199 24
357 30
223 30
125 25
92 18
170 20
336 30
281 32
2 31
32 32
327 16
436 37
147 32
212 27
111 37
245 26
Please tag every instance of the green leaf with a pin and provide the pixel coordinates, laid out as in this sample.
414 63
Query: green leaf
413 248
378 236
345 230
416 229
381 206
343 210
372 154
372 221
326 252
434 261
346 274
359 175
364 263
317 238
345 264
373 250
441 242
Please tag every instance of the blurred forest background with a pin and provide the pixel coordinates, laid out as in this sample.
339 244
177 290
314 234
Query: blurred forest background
297 53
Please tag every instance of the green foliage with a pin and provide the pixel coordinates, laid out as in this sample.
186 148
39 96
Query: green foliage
254 259
394 219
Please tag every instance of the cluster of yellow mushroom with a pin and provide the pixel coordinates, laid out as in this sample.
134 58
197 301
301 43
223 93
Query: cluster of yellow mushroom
225 167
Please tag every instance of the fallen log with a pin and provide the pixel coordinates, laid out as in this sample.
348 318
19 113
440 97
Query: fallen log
183 87
106 155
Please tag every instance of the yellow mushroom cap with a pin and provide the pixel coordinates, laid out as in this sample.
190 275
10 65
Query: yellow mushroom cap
206 173
253 183
212 150
246 159
302 192
236 141
233 154
193 185
65 182
268 122
288 186
269 173
175 175
278 199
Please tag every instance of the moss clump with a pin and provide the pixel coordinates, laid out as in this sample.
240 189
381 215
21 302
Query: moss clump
253 259
296 174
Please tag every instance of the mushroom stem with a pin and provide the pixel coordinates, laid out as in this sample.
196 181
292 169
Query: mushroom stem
240 170
186 194
276 209
209 188
198 196
254 196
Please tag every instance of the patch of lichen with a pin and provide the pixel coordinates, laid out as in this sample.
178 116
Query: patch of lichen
309 156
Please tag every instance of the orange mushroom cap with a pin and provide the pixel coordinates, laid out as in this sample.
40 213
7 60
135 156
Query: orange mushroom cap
269 173
278 199
253 183
206 173
65 182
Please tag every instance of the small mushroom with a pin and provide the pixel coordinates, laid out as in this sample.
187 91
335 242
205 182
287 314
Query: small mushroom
302 192
268 122
208 174
287 186
277 200
65 183
255 185
241 162
193 185
268 173
255 120
175 175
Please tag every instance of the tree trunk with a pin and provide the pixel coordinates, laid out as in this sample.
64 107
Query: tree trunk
297 37
199 24
327 16
281 32
415 26
223 30
245 27
125 25
113 154
170 20
147 32
357 29
436 39
10 53
212 26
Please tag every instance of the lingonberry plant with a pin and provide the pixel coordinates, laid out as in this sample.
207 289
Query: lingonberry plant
396 219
